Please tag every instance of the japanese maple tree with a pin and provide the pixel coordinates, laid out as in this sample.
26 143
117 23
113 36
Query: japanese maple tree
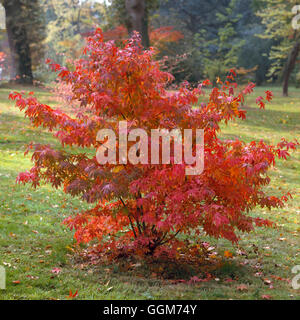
143 208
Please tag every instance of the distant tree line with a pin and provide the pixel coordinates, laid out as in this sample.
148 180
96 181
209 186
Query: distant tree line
255 37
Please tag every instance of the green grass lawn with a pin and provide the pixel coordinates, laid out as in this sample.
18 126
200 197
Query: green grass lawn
33 241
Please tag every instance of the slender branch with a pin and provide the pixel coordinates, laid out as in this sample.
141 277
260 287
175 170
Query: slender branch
162 238
171 238
138 223
131 224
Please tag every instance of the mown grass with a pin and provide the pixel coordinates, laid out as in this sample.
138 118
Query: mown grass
33 241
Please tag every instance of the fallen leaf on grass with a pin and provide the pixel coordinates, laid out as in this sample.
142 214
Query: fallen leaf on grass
32 277
195 279
16 281
241 252
72 295
281 279
228 254
266 297
242 287
267 281
177 281
229 280
56 270
282 239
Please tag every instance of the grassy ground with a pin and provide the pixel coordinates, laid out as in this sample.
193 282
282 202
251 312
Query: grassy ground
33 242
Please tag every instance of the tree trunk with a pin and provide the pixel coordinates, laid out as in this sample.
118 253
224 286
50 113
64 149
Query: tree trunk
290 65
138 19
18 42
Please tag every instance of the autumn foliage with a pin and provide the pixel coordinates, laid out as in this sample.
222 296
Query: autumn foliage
143 208
159 37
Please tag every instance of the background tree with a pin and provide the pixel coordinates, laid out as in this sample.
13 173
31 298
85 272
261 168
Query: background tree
134 14
68 22
217 36
26 31
277 17
137 19
199 23
254 52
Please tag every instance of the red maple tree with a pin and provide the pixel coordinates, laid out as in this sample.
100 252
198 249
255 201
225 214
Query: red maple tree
143 208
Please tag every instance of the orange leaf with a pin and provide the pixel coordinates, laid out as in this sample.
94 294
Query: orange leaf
228 254
71 295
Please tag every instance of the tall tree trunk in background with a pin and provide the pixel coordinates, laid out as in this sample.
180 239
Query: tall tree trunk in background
18 42
138 19
290 65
